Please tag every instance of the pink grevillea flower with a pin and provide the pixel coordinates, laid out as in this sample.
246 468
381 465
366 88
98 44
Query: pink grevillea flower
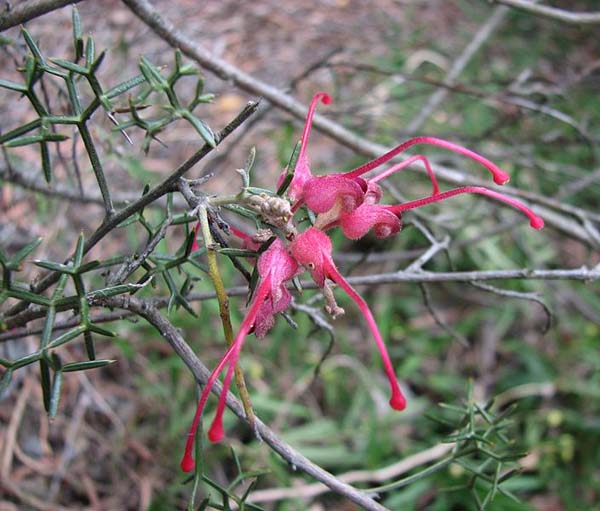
275 267
340 193
302 169
313 250
386 222
322 193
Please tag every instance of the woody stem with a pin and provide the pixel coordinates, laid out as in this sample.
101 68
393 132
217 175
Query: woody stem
223 300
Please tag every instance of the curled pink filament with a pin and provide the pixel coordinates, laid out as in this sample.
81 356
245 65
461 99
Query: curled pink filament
534 220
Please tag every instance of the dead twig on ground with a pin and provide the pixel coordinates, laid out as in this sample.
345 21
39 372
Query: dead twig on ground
479 39
577 18
308 491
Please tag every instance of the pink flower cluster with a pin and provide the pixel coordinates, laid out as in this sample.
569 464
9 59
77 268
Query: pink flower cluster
352 202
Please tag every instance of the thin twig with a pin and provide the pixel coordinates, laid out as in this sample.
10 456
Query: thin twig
554 113
495 100
534 297
308 491
12 429
430 253
38 504
584 274
577 18
30 180
69 450
320 321
544 389
417 265
580 184
134 263
478 40
457 336
26 11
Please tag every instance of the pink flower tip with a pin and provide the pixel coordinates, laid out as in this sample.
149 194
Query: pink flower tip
398 401
187 462
536 222
501 177
216 433
325 98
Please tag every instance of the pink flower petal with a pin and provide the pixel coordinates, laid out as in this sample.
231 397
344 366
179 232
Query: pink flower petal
356 224
322 192
310 249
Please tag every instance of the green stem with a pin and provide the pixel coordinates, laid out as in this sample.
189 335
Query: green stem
423 473
225 200
97 166
223 300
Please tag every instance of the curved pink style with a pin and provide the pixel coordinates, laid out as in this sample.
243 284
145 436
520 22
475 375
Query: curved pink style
406 163
302 171
312 249
500 177
534 220
275 267
187 462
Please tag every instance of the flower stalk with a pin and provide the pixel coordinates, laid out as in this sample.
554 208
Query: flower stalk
224 312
